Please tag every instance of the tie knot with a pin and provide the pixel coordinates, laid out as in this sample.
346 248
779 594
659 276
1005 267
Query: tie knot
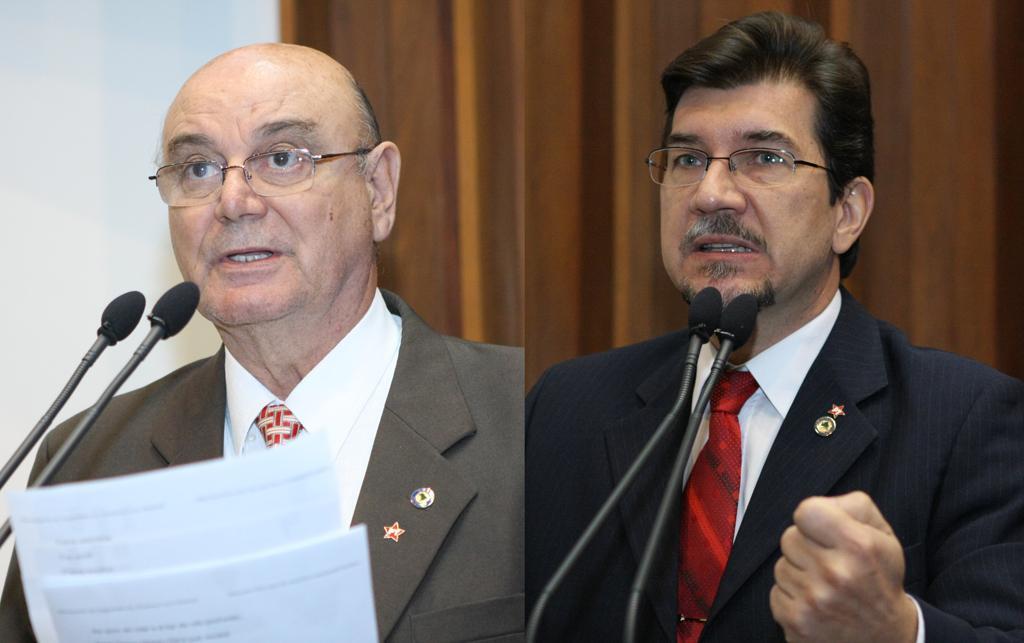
277 424
732 391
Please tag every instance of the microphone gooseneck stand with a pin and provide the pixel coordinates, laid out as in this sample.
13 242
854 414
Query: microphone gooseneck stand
736 326
705 311
170 314
119 319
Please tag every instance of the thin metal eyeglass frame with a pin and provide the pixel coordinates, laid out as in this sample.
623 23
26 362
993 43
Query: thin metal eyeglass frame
248 175
732 166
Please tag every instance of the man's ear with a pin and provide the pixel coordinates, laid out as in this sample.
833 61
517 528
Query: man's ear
383 165
852 213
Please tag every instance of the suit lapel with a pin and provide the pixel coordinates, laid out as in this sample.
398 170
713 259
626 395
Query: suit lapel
193 428
425 414
624 439
801 463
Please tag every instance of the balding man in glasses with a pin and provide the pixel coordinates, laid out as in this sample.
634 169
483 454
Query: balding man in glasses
279 188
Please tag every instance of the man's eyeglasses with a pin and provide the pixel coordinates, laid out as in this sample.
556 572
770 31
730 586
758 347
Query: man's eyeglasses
754 167
276 173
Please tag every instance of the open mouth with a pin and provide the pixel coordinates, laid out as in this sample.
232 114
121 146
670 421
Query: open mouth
249 257
723 247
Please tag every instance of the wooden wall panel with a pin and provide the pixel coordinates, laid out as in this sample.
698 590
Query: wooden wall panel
492 103
524 124
456 253
554 212
1009 177
937 254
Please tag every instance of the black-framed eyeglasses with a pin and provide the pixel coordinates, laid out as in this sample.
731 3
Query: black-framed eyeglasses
276 173
753 167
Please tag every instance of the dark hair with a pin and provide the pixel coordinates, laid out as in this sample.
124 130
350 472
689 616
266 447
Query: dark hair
773 46
371 129
370 135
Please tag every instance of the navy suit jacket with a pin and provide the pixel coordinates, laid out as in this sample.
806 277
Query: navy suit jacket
935 439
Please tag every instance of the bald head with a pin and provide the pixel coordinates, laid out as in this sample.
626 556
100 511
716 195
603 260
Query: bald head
281 72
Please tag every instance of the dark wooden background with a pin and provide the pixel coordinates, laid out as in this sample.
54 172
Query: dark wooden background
536 114
445 80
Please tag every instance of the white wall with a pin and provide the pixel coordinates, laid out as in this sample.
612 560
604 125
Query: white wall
83 88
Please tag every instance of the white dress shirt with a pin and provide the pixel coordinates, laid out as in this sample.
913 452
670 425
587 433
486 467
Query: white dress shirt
780 371
343 396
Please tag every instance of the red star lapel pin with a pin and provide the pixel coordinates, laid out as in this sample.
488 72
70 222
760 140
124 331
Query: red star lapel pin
393 532
837 410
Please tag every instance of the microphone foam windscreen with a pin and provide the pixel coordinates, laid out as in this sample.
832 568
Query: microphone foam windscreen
705 312
738 319
175 308
121 316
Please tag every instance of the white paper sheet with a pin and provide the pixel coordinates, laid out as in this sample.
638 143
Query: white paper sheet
312 591
93 548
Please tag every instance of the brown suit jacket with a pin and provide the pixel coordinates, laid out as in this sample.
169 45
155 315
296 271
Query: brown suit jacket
453 421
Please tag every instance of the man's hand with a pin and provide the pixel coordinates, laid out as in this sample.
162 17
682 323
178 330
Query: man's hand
840 577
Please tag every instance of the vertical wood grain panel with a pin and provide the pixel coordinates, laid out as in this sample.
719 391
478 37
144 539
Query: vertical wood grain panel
883 270
931 59
467 135
499 45
439 75
553 187
974 231
421 260
558 103
595 158
1008 50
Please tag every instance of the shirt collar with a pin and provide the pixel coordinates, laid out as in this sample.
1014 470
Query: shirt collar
781 368
335 390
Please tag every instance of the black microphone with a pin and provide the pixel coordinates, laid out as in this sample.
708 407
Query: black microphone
705 310
705 317
119 319
735 328
169 316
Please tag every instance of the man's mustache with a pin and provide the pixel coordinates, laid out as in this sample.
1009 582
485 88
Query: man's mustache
721 224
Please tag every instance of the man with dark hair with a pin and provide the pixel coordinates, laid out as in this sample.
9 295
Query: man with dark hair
278 188
844 484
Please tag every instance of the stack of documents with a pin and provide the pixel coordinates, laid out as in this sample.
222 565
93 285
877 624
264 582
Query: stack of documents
245 549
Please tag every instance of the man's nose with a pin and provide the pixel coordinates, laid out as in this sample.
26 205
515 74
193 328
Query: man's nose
717 190
237 198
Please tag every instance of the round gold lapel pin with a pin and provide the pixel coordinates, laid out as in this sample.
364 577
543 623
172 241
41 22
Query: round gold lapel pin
422 497
825 426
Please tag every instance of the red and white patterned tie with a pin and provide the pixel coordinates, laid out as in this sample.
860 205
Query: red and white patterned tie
709 506
277 424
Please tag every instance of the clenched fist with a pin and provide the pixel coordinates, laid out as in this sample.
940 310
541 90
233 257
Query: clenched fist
840 577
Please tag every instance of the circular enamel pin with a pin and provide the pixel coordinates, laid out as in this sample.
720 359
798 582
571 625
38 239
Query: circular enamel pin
825 426
422 497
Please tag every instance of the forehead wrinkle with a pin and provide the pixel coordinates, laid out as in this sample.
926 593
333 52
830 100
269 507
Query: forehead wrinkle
264 84
187 140
287 125
306 131
770 136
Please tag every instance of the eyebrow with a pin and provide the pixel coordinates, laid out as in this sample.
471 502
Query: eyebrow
304 128
291 126
770 136
187 140
682 139
755 136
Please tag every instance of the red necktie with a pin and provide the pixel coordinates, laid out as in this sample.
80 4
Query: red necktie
277 424
709 506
